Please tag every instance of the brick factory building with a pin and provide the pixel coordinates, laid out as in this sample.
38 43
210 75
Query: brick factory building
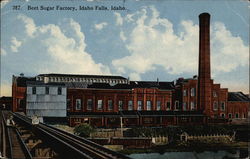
111 101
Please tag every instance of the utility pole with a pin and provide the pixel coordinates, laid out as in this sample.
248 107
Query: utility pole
121 126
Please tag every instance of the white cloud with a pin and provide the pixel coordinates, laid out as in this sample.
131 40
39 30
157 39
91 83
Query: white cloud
15 44
134 77
100 26
119 20
28 24
58 48
122 36
3 52
152 42
228 51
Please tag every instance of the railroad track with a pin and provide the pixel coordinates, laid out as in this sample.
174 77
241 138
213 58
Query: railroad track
13 146
68 145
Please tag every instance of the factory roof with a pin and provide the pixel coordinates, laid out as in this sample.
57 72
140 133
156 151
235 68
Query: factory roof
237 96
82 76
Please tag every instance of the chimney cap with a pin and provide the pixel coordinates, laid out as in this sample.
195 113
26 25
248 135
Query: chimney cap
203 15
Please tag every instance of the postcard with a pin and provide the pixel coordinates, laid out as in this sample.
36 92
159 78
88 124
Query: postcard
153 79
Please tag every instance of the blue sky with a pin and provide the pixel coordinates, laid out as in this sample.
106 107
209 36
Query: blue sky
148 40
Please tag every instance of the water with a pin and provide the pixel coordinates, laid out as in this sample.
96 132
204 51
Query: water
187 155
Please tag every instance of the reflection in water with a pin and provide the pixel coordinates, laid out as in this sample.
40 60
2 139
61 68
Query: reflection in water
188 155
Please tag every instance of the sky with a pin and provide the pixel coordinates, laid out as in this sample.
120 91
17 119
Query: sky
145 40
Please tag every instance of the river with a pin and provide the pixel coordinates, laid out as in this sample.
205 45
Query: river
189 155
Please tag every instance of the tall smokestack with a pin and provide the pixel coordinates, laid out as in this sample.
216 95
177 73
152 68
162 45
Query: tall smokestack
204 76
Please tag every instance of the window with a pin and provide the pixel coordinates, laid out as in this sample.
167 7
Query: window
176 105
223 115
149 105
68 104
99 104
214 94
110 104
230 115
78 104
33 90
89 104
184 106
158 105
237 115
192 92
139 102
59 91
215 105
192 105
130 105
184 92
120 105
46 90
244 115
168 106
222 106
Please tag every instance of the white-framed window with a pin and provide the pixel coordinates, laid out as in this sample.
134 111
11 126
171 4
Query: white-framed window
168 105
130 105
33 90
184 106
192 92
176 105
59 90
222 106
184 92
237 115
230 116
158 107
99 104
120 105
89 104
149 105
222 115
110 105
46 90
192 105
244 115
214 93
215 105
139 103
78 104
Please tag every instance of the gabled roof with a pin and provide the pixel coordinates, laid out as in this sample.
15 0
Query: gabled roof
131 85
152 84
237 96
82 76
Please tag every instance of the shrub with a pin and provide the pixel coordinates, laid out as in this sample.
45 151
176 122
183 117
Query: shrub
83 130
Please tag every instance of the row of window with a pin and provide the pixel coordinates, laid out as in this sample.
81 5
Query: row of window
236 115
47 90
192 106
70 79
192 92
78 105
222 106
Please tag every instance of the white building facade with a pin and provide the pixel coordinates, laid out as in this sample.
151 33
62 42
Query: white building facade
46 100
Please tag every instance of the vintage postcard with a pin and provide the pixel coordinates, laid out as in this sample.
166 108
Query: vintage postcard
124 79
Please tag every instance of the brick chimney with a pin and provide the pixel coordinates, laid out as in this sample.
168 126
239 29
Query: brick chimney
204 76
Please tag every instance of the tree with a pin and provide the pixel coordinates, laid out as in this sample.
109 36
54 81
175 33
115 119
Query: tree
83 130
